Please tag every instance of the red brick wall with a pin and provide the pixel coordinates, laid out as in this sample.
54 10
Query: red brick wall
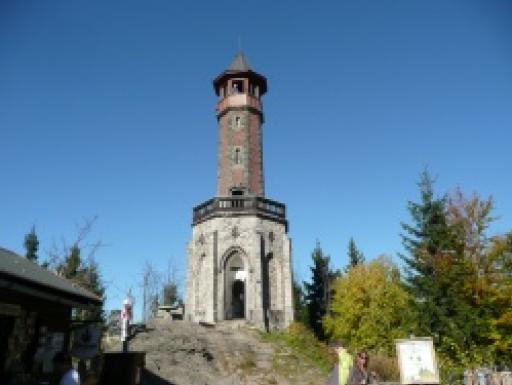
249 173
255 155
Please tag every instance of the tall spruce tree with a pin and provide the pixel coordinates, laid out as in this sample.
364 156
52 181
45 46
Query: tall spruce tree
31 244
355 256
317 292
429 245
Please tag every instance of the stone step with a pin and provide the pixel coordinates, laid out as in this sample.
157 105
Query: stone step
232 324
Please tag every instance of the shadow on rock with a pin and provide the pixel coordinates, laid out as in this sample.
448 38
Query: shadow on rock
150 378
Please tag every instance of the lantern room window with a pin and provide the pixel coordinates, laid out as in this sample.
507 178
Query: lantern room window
237 87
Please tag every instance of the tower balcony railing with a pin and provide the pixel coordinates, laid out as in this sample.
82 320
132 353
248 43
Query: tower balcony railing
239 205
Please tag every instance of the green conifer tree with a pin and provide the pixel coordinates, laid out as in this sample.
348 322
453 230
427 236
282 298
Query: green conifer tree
317 292
72 264
31 244
355 256
435 271
86 275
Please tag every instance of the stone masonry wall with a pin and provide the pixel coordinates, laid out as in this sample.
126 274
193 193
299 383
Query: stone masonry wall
211 244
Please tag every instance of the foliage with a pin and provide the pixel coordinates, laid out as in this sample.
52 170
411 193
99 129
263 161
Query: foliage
460 279
355 256
299 303
70 263
91 278
456 288
86 275
317 292
500 294
305 344
31 244
370 308
437 272
170 293
476 279
83 273
70 267
429 244
385 366
470 278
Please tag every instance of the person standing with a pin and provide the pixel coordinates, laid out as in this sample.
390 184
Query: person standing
340 372
359 374
64 368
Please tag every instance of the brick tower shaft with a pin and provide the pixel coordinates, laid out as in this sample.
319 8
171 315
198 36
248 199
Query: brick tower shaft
240 119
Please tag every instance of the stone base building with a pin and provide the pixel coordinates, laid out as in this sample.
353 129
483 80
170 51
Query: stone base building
239 258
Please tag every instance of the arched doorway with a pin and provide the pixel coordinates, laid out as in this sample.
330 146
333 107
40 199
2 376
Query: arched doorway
235 276
238 299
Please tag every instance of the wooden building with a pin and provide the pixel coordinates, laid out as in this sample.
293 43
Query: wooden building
36 308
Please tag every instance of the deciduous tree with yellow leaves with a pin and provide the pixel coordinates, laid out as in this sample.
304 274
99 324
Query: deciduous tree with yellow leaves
370 308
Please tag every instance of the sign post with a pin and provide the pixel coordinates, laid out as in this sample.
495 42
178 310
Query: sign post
126 317
417 361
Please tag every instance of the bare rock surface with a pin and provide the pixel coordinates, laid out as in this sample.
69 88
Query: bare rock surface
230 353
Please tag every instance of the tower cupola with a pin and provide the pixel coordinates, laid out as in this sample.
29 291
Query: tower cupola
239 78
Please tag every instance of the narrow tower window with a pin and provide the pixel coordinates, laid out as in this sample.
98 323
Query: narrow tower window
237 122
237 156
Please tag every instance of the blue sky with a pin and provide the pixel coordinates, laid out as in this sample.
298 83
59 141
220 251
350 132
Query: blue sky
107 109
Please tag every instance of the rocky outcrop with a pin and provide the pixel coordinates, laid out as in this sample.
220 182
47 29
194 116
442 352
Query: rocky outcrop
229 353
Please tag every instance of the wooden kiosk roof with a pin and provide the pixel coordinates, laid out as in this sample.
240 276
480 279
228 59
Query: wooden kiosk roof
21 275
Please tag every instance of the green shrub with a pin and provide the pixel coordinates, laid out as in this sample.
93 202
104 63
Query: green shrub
303 343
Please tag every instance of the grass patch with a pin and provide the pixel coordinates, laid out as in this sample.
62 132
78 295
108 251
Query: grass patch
248 364
304 346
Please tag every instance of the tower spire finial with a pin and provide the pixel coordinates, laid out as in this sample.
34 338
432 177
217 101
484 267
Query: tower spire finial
239 63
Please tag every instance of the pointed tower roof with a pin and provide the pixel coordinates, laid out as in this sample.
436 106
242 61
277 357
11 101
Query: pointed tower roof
240 67
239 63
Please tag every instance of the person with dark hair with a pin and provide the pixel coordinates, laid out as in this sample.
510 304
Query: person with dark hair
64 368
340 372
359 375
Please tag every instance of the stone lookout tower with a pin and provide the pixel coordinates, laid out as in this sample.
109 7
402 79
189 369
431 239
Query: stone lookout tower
239 258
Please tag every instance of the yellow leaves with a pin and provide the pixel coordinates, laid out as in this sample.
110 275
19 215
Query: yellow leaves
369 307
